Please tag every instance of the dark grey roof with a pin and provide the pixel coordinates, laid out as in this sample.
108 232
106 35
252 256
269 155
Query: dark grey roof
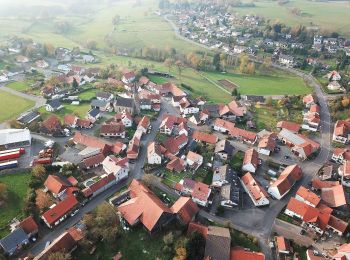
213 109
124 102
94 112
11 241
224 146
145 102
55 103
254 98
99 103
28 117
218 244
104 95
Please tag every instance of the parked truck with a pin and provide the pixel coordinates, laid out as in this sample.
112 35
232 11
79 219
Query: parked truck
21 150
9 156
43 161
8 165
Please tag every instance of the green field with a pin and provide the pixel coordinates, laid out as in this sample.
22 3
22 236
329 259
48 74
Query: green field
264 84
17 185
17 104
332 15
80 111
18 85
139 27
88 94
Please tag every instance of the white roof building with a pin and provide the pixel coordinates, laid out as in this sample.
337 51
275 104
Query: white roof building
15 137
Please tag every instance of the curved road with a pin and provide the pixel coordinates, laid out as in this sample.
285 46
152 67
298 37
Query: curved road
259 222
39 101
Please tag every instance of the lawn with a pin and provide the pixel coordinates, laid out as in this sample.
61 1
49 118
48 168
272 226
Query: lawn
171 178
80 111
158 80
330 15
129 244
267 117
17 185
264 84
18 85
88 94
17 104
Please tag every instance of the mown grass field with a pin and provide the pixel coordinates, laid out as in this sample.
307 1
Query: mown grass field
88 94
332 15
17 186
12 106
264 84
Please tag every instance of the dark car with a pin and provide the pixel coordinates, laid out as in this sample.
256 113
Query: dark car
302 232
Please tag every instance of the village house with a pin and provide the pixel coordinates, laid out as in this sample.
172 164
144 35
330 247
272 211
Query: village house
344 173
59 187
204 137
92 162
305 195
169 123
256 193
199 118
343 252
51 126
333 76
134 146
301 146
194 160
145 207
340 155
58 213
124 118
144 124
221 176
175 144
104 96
288 177
282 245
224 126
124 105
267 145
176 164
232 111
341 131
102 105
112 130
53 106
20 235
224 149
319 219
286 60
93 115
128 77
309 100
290 126
66 242
119 167
250 161
335 86
154 153
185 209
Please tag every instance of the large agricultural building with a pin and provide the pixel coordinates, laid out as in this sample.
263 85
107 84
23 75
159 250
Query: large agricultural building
10 138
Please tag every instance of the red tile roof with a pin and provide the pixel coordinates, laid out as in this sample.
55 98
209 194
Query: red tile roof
112 129
291 126
70 119
29 225
55 184
52 123
240 253
342 128
201 191
308 195
204 137
196 227
251 156
91 141
334 196
176 164
288 177
185 208
256 191
98 185
143 206
93 160
61 209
